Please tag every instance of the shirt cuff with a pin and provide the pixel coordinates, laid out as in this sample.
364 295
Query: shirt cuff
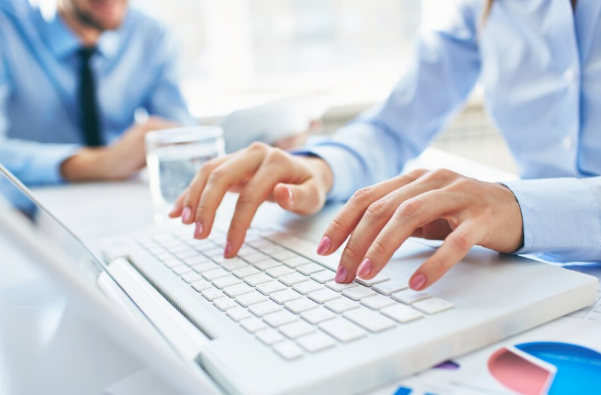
344 165
45 168
561 219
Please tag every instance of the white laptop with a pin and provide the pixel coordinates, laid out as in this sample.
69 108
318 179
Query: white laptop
272 321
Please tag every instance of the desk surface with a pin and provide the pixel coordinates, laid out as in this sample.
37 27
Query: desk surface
95 211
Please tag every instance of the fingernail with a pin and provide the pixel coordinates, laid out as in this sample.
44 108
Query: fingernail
187 214
341 274
364 268
228 249
198 230
418 282
290 195
324 246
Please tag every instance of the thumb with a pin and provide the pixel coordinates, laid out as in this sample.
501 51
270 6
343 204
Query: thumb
304 199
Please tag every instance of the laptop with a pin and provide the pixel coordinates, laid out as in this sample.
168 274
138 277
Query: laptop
272 321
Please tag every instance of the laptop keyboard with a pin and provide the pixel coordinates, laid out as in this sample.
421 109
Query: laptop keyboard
289 302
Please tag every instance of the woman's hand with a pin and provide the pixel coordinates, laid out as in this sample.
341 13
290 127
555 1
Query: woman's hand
259 173
428 204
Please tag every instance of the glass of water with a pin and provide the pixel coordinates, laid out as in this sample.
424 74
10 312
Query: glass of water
173 157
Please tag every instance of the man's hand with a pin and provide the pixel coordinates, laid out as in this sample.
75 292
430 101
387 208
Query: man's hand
117 161
428 204
259 173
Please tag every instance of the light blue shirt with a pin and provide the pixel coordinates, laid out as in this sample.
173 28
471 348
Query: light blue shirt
540 67
135 67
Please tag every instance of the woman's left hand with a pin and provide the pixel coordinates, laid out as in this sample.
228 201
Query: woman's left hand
436 204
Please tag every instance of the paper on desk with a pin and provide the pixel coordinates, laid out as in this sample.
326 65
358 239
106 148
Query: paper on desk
473 375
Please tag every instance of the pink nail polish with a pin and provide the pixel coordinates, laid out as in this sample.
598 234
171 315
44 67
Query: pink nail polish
341 274
187 214
228 249
290 195
364 268
198 230
324 246
418 282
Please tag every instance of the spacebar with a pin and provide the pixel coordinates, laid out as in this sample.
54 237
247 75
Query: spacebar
309 250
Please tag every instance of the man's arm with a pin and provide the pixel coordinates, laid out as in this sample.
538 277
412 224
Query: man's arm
562 218
378 144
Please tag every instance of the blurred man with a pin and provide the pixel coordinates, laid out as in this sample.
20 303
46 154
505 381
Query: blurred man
71 82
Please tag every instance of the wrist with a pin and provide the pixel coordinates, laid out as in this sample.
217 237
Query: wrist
322 172
86 165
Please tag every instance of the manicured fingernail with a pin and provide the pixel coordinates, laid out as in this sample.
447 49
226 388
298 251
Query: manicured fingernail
324 246
198 230
418 282
341 274
228 249
290 195
187 214
364 268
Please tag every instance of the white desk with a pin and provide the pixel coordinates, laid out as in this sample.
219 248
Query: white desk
36 323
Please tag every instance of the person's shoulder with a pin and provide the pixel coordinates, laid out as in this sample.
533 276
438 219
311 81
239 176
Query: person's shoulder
145 25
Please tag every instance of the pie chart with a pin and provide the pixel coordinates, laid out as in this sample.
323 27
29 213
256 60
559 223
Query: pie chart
547 368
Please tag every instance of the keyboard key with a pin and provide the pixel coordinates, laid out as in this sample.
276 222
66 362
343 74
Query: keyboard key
410 296
297 329
323 276
204 267
220 259
253 324
324 295
245 272
233 264
297 306
247 250
280 318
341 305
288 350
293 278
258 243
340 287
225 303
271 287
217 251
272 249
237 290
269 336
266 264
401 313
284 296
433 306
369 319
379 278
196 260
189 253
226 281
172 262
316 342
279 271
181 269
359 292
283 255
238 313
201 285
389 287
212 293
213 274
250 298
191 277
307 287
296 261
263 308
259 256
377 302
257 279
315 316
342 329
309 268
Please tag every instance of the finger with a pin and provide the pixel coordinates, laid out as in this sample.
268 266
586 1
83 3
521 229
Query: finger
411 215
239 168
455 247
197 186
258 189
178 206
375 218
343 224
303 199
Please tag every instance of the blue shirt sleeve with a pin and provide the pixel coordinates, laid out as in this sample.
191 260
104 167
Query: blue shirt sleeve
561 218
376 146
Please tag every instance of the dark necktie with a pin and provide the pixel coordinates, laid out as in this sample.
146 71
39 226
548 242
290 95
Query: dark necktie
90 120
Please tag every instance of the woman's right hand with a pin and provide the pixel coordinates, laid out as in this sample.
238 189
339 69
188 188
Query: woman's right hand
258 173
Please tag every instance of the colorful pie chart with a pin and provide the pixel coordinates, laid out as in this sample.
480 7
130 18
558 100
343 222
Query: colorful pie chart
547 368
